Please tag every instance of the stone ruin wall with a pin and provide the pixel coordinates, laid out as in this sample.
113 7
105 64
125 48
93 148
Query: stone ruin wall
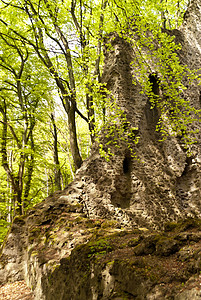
165 184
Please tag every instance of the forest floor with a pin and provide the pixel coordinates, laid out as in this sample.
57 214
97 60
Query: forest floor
16 291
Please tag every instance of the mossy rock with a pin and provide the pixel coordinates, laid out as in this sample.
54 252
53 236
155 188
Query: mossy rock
147 246
166 246
101 246
183 225
110 224
134 242
92 223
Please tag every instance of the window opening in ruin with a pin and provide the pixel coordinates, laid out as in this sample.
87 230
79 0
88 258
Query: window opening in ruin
187 165
126 165
154 81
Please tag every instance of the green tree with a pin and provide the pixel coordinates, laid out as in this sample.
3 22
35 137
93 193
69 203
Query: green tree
21 97
66 36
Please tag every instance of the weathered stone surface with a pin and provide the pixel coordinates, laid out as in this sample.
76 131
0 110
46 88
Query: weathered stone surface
74 245
12 253
107 266
165 184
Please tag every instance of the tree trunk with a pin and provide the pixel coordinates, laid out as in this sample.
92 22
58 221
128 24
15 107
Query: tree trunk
30 167
73 138
5 164
57 170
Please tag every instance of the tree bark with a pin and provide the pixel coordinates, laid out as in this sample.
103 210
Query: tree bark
57 170
17 193
73 138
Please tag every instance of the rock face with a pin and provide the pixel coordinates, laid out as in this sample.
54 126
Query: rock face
74 245
67 256
165 184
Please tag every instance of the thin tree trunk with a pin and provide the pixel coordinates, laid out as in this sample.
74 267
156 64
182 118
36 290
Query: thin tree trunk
57 170
12 178
163 18
30 167
73 138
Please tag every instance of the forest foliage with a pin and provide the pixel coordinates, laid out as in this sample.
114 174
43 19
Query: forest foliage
51 96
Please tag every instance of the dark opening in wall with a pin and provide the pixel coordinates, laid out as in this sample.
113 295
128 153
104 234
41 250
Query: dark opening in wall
126 165
188 163
154 81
